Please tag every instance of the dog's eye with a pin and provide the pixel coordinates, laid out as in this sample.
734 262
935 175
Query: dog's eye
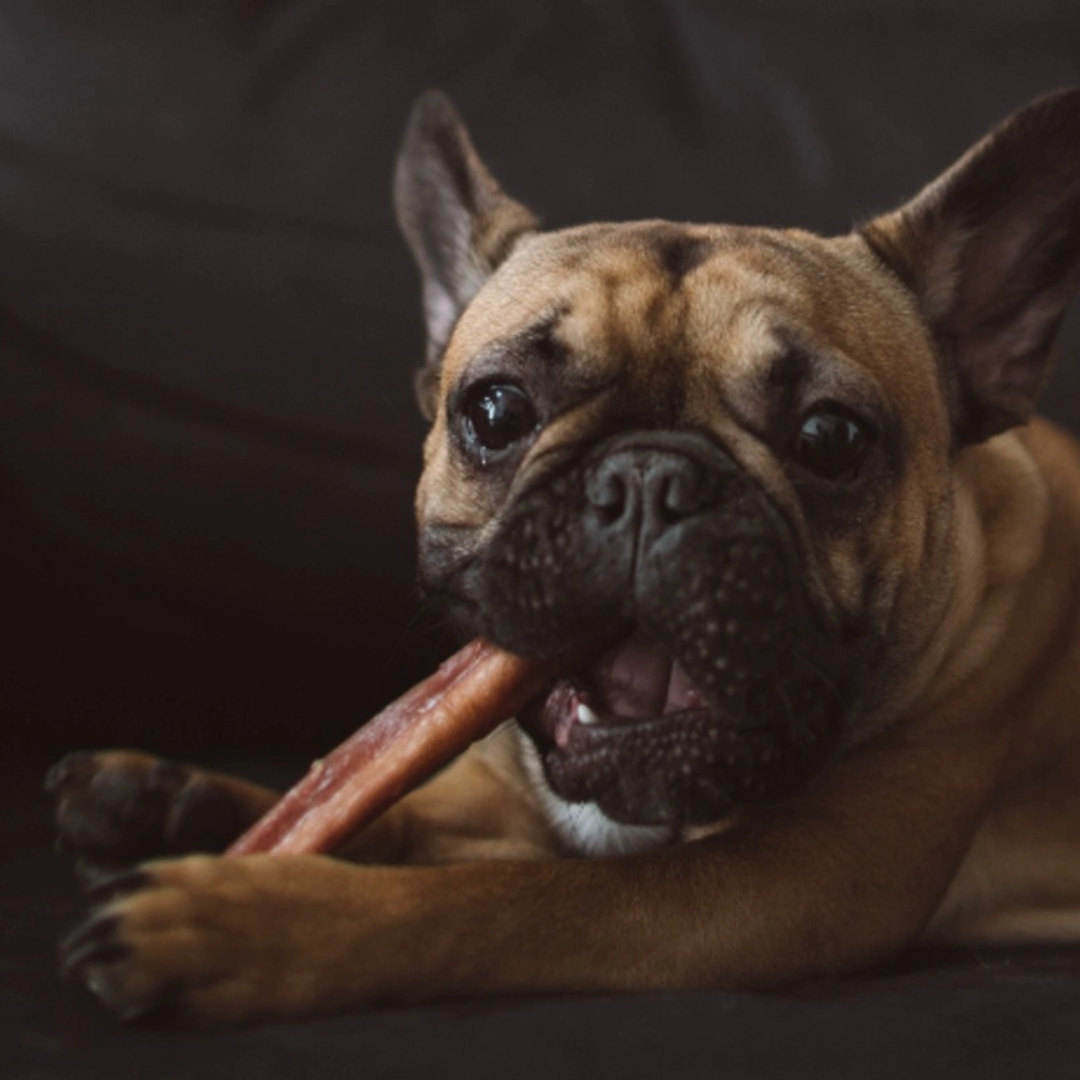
831 443
499 415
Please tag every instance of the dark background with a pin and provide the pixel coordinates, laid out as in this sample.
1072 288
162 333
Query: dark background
208 444
208 322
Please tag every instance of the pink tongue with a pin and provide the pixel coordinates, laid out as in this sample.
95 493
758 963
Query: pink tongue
637 680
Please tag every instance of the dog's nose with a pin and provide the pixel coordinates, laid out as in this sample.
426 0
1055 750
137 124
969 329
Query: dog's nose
649 488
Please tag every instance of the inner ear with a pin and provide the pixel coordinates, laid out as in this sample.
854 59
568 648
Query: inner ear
992 251
457 221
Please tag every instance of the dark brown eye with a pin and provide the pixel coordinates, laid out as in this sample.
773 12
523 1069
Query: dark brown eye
499 415
831 443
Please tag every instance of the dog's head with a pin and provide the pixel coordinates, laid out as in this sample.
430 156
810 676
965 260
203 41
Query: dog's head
729 458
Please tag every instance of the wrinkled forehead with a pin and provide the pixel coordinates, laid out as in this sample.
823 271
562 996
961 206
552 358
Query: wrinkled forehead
657 293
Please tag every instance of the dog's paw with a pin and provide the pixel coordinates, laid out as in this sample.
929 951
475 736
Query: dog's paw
117 807
207 940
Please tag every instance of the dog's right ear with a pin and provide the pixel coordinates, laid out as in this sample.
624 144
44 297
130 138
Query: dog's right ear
456 219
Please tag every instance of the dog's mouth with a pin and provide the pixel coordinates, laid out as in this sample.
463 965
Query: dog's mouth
632 732
633 683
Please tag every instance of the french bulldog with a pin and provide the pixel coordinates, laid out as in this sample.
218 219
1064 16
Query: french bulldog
792 488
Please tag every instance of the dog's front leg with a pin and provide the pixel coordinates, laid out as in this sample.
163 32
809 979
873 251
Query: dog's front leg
115 808
846 877
479 808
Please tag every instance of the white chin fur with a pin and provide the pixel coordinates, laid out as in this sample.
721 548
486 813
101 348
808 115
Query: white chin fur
584 828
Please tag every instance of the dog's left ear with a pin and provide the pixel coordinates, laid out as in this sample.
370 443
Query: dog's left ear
992 251
456 219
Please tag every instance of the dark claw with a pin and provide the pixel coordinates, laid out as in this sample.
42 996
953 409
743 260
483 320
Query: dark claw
95 942
105 953
92 943
90 872
114 885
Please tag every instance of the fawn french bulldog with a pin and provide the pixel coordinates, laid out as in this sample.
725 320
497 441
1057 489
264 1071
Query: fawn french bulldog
793 484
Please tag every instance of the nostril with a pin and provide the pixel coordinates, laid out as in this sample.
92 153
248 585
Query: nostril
665 488
608 494
676 498
680 493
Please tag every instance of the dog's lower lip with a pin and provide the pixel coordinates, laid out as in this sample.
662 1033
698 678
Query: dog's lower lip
581 737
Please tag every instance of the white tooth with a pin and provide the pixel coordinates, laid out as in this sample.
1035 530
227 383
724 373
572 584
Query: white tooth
586 715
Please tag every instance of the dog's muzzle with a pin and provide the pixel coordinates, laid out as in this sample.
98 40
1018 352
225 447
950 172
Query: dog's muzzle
723 684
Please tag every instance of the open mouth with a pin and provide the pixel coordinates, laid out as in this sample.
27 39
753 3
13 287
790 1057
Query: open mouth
633 733
630 685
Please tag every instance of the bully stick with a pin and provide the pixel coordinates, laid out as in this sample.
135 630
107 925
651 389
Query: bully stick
466 698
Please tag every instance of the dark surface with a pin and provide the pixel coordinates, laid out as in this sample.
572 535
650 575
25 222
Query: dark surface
208 443
943 1015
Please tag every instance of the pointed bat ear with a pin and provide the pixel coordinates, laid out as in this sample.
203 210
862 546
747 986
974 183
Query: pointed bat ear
991 250
457 222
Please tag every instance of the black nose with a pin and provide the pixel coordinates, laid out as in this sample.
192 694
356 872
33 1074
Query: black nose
648 488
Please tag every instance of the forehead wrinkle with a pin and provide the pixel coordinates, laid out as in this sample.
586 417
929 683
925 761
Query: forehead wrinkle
729 286
622 312
536 340
738 338
519 298
832 369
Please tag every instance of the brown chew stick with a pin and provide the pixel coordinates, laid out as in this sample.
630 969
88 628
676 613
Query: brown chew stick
468 697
